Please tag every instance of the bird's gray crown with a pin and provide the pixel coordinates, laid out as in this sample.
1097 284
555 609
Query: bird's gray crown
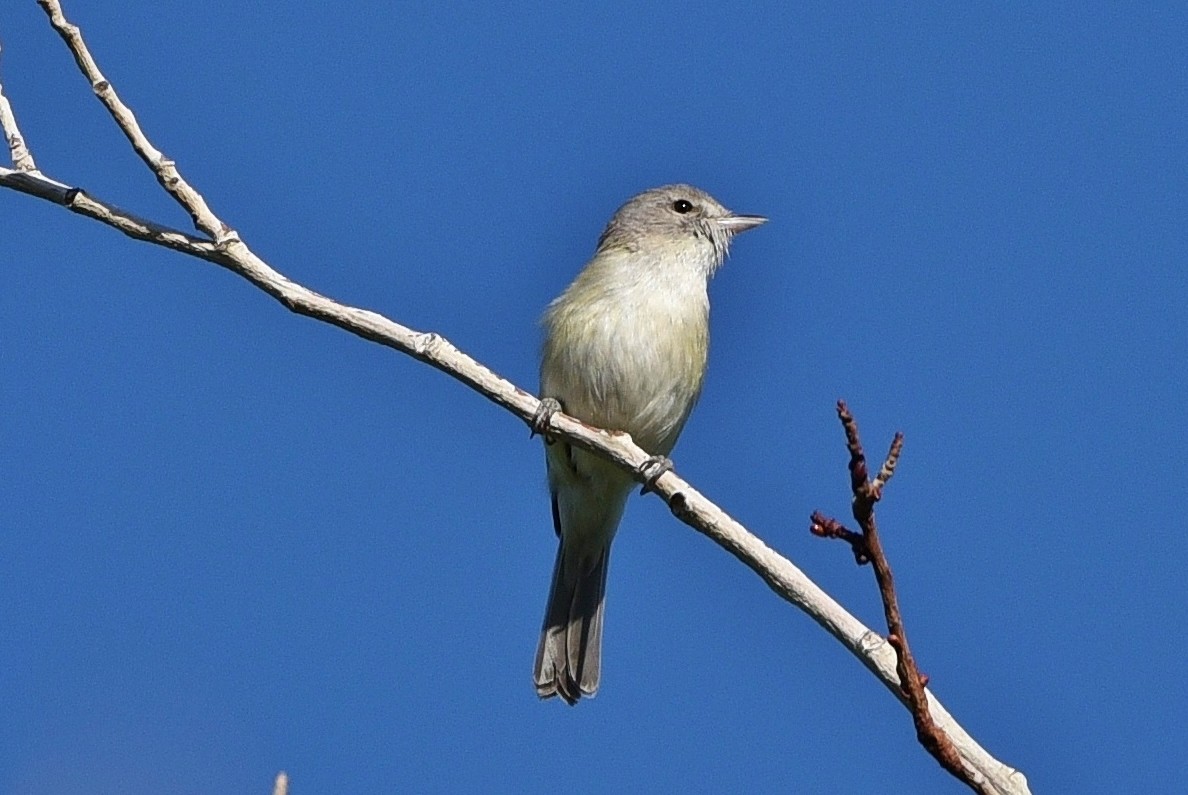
676 214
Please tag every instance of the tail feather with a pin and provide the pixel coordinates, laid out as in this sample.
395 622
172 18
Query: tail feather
569 656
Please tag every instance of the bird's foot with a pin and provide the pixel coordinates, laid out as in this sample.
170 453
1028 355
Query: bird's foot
651 470
543 416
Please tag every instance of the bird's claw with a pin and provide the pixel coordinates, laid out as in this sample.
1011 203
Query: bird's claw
651 470
539 425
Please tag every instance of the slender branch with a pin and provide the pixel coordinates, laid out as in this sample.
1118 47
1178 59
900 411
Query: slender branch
164 168
888 468
227 250
37 184
22 158
868 548
827 527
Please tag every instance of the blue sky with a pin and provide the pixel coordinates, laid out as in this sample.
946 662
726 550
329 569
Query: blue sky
236 541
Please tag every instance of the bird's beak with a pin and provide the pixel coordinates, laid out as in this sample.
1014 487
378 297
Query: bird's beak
740 223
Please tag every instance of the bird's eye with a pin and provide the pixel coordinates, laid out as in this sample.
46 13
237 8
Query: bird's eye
682 206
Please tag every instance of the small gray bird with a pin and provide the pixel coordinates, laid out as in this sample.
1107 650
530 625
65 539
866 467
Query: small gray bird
625 349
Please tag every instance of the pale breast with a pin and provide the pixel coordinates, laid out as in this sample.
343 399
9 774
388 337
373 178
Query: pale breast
628 359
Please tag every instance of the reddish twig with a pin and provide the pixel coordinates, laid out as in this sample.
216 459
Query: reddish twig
828 527
868 548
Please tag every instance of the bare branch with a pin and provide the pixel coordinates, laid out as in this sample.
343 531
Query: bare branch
824 526
868 547
227 250
888 468
163 167
37 184
22 158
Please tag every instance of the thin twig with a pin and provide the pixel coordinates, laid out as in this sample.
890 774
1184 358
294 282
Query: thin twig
164 168
888 468
824 526
868 547
228 251
22 158
37 184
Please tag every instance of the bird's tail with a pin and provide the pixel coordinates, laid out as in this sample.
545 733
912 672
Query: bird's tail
569 657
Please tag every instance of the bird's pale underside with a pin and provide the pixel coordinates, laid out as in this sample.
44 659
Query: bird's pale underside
625 349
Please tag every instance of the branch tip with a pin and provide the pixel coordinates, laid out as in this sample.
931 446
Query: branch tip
888 468
824 526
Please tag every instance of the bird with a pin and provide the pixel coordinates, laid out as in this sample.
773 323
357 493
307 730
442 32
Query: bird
625 349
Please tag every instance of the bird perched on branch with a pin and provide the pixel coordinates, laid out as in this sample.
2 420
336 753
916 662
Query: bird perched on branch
625 349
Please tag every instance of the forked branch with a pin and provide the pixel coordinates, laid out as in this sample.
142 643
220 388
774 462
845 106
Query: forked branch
868 548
